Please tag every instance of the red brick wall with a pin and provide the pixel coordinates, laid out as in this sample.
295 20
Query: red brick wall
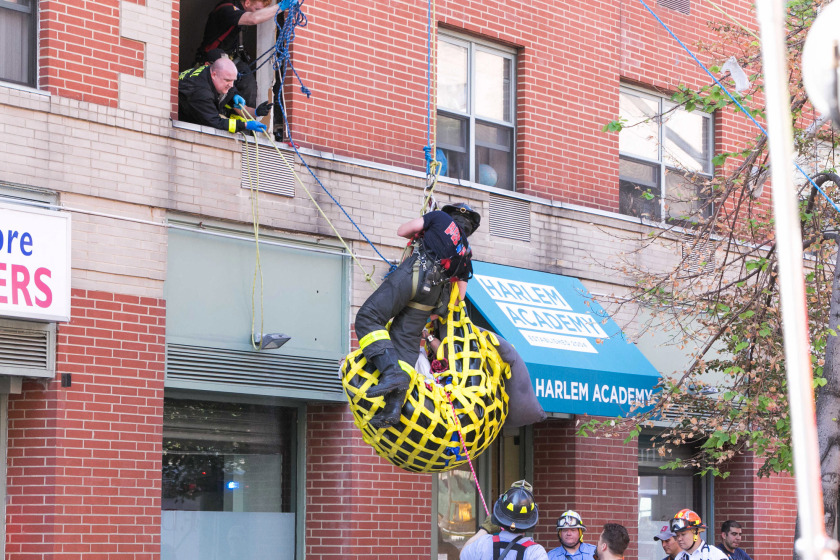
597 477
359 506
84 462
765 508
81 51
367 71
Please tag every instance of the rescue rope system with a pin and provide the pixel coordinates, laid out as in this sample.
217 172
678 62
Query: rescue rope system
431 436
448 416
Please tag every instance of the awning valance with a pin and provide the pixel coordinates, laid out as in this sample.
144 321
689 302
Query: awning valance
577 356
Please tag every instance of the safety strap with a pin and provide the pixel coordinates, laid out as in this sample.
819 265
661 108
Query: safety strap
420 306
372 337
224 35
510 545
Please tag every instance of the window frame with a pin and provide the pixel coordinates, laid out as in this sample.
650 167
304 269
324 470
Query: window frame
662 165
474 45
299 448
31 64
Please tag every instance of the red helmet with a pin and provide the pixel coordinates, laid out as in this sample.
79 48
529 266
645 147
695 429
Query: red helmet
684 520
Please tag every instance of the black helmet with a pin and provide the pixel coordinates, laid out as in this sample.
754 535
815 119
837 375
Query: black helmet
463 209
515 510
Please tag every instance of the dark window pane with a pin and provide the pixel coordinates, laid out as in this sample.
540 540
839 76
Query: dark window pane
228 480
639 191
494 155
16 44
453 141
227 456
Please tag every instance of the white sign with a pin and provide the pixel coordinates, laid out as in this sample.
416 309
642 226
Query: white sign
542 315
34 263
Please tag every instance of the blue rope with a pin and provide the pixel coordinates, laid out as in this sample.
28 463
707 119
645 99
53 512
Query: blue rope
283 61
761 128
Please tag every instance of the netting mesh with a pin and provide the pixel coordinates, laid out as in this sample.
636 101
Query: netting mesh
426 439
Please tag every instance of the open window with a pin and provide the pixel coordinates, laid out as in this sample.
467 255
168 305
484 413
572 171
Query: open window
254 41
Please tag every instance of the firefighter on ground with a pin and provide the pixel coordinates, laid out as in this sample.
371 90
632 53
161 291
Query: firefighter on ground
513 513
570 529
410 295
687 525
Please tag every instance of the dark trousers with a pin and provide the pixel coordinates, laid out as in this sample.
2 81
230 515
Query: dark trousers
247 84
401 297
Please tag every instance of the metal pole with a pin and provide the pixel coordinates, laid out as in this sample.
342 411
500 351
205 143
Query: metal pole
812 544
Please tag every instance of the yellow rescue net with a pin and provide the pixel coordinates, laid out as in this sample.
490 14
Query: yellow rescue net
427 437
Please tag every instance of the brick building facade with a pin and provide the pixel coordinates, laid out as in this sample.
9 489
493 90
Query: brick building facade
153 368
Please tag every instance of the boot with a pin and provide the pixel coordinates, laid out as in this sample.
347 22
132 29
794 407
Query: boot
391 412
391 375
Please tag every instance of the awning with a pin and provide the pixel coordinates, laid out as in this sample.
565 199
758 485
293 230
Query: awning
578 358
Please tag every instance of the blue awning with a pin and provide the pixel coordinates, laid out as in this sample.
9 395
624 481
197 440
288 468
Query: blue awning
577 356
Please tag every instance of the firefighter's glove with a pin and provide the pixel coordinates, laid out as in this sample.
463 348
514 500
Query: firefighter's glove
264 108
238 102
489 526
255 126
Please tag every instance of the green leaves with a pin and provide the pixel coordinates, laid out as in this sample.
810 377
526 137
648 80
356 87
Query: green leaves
614 126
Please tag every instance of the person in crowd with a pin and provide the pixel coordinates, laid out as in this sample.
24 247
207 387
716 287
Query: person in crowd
730 541
612 542
669 543
570 529
687 526
207 96
513 513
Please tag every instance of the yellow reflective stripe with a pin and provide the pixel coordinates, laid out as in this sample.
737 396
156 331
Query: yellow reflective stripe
372 337
232 125
420 306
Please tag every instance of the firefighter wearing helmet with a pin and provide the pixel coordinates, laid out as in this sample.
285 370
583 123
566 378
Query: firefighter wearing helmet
513 513
687 526
408 296
570 530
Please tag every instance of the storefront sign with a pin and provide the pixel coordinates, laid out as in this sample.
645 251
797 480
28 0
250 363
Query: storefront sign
34 263
577 357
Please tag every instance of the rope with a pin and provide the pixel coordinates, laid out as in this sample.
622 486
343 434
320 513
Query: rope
368 275
282 62
255 212
430 149
726 91
467 453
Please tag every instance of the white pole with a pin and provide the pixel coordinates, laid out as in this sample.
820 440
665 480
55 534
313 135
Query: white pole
813 544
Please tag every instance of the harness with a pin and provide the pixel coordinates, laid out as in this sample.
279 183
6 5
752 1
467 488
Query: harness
224 35
501 548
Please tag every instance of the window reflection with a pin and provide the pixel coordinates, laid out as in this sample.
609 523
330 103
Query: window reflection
228 480
457 501
452 76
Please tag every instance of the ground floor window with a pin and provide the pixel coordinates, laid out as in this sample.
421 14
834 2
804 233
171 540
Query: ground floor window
662 493
228 481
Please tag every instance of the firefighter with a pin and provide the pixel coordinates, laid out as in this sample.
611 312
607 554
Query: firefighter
409 295
570 529
687 525
514 513
207 96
